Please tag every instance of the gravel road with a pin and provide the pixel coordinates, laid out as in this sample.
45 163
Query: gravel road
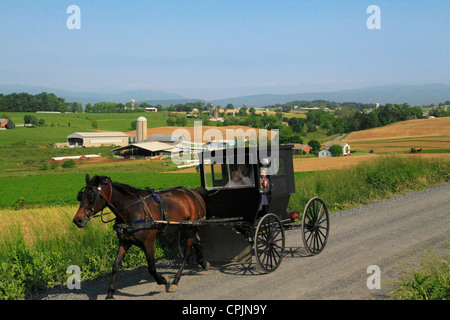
386 234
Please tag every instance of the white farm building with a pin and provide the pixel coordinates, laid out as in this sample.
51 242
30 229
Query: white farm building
97 139
345 147
324 153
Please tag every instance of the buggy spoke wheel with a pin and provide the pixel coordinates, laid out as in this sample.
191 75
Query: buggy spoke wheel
269 243
315 226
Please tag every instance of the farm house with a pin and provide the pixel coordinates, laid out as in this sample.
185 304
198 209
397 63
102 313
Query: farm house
345 147
301 148
97 139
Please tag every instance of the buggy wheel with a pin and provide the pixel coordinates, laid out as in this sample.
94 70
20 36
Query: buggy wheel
269 243
315 226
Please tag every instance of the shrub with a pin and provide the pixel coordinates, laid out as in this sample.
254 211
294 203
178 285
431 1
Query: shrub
19 204
69 164
54 165
336 150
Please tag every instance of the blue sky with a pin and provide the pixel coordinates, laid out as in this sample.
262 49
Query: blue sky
215 49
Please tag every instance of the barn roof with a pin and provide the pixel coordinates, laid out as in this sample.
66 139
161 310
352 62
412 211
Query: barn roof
342 144
165 137
96 134
152 146
300 146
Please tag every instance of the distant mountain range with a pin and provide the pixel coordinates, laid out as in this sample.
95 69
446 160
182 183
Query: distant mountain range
93 97
415 95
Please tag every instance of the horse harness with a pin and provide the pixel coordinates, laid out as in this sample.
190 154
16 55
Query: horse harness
137 225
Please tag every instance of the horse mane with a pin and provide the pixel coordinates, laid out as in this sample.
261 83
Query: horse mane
121 187
127 189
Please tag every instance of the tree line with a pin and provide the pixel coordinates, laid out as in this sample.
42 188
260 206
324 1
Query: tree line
288 106
25 102
347 119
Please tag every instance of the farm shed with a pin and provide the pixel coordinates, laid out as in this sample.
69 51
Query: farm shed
300 148
97 139
146 149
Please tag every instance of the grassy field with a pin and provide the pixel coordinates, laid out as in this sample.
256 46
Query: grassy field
61 189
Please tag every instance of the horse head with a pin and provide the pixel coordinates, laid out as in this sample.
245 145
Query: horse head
92 199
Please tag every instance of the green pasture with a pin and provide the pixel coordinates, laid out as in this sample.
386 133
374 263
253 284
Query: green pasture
61 189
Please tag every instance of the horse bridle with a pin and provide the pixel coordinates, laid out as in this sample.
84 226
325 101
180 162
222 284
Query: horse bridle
89 215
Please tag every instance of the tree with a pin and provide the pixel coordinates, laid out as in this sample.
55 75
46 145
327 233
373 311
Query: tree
311 127
243 111
296 124
181 121
170 122
336 150
26 119
10 124
315 146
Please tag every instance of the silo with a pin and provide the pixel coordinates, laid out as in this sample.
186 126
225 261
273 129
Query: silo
141 129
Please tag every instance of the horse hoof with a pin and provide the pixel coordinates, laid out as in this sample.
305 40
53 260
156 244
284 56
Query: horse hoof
206 265
109 298
172 288
166 280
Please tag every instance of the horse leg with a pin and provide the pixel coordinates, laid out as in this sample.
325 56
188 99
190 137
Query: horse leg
187 253
149 249
198 252
123 248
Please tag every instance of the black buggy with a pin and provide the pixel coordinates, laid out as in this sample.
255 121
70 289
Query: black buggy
242 201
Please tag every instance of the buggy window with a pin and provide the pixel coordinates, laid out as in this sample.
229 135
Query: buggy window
216 175
226 175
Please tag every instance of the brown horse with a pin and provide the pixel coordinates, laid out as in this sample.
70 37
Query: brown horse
142 216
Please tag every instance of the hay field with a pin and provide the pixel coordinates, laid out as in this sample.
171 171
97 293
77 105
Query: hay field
317 164
402 136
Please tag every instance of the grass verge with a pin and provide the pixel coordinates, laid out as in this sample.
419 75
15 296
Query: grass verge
429 280
38 245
